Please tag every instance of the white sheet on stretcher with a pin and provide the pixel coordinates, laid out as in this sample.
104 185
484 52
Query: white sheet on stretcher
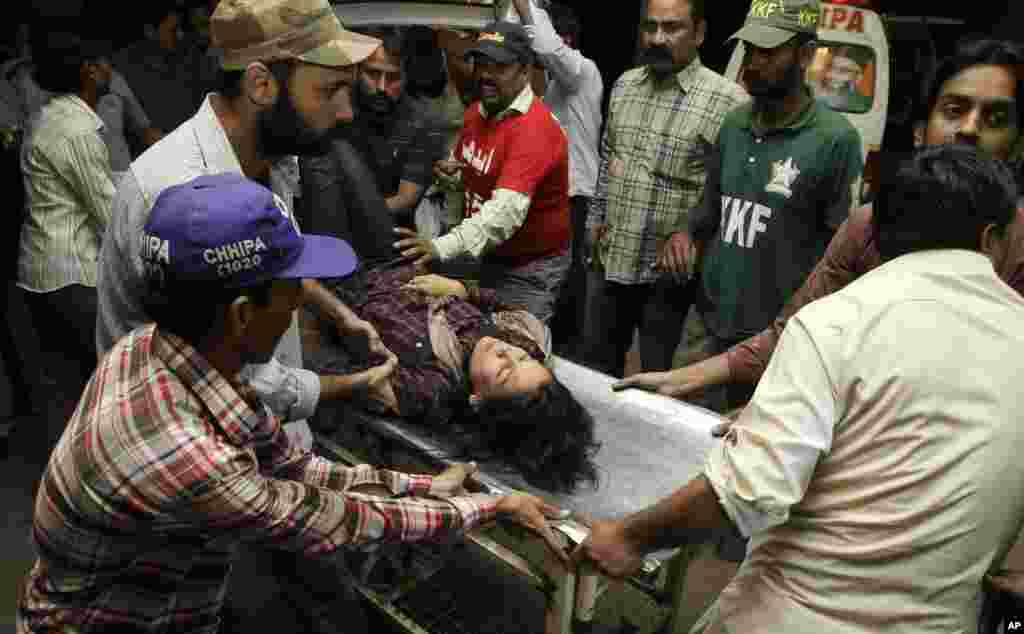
650 445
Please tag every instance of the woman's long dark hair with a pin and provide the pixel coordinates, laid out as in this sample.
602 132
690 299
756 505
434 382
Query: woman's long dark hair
547 436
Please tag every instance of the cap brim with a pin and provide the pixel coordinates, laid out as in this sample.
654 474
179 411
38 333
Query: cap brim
492 52
347 50
322 257
763 35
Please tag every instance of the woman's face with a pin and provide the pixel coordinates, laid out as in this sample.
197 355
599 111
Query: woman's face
499 370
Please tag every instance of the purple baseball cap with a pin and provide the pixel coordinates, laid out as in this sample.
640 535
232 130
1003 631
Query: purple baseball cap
226 228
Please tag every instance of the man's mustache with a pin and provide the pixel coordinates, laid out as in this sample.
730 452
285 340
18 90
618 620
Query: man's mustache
655 55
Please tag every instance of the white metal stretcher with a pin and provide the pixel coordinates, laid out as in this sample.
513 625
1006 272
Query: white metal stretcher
650 446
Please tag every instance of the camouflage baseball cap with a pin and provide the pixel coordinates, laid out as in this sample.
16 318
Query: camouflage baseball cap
247 31
772 23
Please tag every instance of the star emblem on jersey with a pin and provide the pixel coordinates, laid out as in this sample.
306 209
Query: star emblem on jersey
784 174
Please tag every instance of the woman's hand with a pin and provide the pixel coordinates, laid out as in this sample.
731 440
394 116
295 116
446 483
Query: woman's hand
438 286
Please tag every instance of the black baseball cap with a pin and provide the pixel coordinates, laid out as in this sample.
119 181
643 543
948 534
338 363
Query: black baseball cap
503 42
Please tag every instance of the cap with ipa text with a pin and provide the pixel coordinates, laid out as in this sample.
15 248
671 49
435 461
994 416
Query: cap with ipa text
247 31
772 23
230 230
503 42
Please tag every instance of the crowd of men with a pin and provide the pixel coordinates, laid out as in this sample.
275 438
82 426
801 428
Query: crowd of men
183 204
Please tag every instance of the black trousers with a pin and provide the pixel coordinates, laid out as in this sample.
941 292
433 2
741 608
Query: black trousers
567 325
66 322
614 311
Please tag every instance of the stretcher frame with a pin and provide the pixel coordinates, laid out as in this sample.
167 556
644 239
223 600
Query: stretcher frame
570 594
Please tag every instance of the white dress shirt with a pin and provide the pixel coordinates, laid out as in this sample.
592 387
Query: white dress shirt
198 147
877 467
68 190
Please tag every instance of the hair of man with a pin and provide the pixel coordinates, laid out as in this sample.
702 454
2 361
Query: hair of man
943 197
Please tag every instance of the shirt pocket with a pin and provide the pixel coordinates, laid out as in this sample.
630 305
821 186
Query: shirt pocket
680 161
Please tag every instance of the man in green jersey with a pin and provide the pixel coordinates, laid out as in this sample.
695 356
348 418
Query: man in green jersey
781 180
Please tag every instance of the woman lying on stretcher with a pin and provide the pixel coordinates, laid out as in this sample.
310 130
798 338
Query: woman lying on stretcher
467 362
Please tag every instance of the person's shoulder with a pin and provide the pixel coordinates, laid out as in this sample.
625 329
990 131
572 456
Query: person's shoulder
172 159
63 118
630 79
540 121
720 83
737 117
834 124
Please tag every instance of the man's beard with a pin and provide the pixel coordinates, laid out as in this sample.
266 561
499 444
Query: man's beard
283 131
772 91
658 59
102 90
377 107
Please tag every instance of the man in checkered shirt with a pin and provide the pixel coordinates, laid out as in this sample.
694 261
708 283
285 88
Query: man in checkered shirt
169 463
663 118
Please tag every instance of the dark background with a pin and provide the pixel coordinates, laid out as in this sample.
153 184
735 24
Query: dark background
609 35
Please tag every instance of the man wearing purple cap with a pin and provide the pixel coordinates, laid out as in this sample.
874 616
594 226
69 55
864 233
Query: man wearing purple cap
170 463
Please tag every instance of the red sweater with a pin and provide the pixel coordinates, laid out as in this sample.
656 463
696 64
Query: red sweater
528 154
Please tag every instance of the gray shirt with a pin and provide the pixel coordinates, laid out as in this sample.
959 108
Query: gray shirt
198 147
120 111
574 92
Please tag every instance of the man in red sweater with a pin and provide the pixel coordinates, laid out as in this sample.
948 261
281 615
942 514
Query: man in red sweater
512 159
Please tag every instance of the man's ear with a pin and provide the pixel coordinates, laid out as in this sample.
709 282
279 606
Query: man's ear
238 317
805 54
993 242
919 129
700 32
260 85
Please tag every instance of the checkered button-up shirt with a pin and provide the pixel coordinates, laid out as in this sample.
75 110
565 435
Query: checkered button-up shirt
163 469
652 162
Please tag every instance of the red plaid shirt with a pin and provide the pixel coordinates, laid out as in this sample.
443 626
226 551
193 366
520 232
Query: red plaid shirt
163 470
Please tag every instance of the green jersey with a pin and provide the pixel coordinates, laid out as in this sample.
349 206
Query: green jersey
771 204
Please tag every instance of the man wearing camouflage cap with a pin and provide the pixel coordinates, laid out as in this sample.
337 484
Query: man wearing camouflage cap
286 70
287 67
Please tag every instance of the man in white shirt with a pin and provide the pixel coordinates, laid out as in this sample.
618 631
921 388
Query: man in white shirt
574 91
66 170
278 97
876 469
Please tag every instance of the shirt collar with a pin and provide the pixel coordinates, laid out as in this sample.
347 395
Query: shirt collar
808 116
231 413
79 104
520 105
956 262
684 78
219 155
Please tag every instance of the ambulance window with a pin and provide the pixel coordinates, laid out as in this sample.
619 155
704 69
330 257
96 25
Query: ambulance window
843 76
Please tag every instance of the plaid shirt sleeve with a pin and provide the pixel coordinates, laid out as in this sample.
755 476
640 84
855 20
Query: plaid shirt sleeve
317 520
288 498
164 468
